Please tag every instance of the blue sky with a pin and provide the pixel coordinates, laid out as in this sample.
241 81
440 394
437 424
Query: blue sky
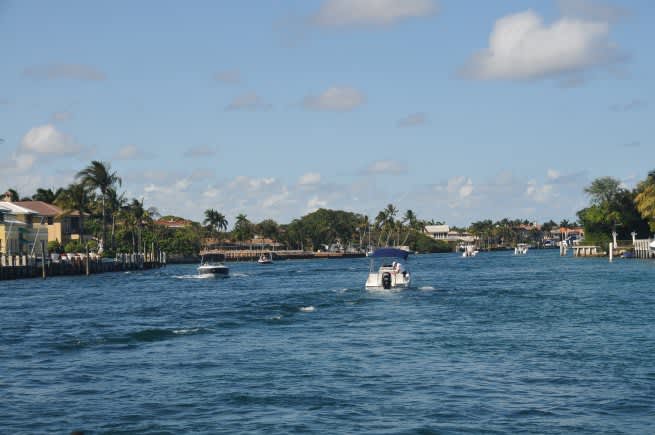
458 110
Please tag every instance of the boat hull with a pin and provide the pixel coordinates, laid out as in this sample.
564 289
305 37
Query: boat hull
214 270
392 281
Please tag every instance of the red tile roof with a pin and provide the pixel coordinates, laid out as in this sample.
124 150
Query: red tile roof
40 207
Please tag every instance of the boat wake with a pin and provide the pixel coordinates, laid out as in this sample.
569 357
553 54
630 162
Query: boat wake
239 275
198 276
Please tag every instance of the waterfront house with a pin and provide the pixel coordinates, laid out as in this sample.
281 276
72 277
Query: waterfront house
443 232
21 230
437 232
60 226
173 223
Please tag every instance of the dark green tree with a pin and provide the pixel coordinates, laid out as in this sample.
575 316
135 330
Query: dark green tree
98 175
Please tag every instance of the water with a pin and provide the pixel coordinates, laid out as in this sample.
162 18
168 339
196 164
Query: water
493 344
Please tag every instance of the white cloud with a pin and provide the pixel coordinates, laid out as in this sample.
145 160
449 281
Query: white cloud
17 163
64 71
46 139
132 152
413 120
249 183
310 178
276 199
552 174
521 46
248 101
336 98
540 194
466 190
371 12
460 187
390 167
315 203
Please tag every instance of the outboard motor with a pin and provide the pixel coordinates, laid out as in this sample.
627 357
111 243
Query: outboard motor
386 280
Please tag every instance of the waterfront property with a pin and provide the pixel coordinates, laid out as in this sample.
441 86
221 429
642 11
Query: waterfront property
61 226
443 232
21 230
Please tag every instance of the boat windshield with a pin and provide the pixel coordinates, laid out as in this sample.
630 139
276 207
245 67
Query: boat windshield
213 258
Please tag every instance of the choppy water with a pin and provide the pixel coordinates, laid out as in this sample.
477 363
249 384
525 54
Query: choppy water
493 344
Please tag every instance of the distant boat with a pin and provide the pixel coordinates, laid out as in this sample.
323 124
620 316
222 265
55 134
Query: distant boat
392 273
521 249
265 259
213 263
470 251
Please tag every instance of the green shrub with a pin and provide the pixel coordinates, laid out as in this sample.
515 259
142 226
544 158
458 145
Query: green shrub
55 247
74 246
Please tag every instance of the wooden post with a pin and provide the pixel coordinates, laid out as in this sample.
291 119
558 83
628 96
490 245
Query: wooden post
43 259
86 260
611 251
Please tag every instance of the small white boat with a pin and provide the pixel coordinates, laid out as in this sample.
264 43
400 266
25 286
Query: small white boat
470 251
213 264
392 272
265 259
521 249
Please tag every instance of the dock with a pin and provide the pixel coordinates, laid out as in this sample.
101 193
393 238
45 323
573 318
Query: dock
24 266
642 248
253 255
587 251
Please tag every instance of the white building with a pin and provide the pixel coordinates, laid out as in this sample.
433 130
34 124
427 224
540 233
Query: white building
437 232
442 232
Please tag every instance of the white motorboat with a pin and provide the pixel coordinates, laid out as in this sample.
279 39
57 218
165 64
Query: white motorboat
213 264
521 249
265 259
392 272
470 251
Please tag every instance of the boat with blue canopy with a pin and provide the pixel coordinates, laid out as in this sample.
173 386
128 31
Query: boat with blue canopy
388 269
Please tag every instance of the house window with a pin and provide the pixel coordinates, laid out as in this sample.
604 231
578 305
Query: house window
51 220
75 223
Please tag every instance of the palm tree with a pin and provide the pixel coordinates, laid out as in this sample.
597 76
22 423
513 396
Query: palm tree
136 217
391 211
214 220
76 197
242 228
645 199
115 203
98 175
46 195
411 221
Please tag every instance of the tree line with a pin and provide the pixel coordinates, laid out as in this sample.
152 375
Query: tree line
615 208
127 225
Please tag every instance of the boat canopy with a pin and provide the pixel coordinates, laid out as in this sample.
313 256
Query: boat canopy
390 253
